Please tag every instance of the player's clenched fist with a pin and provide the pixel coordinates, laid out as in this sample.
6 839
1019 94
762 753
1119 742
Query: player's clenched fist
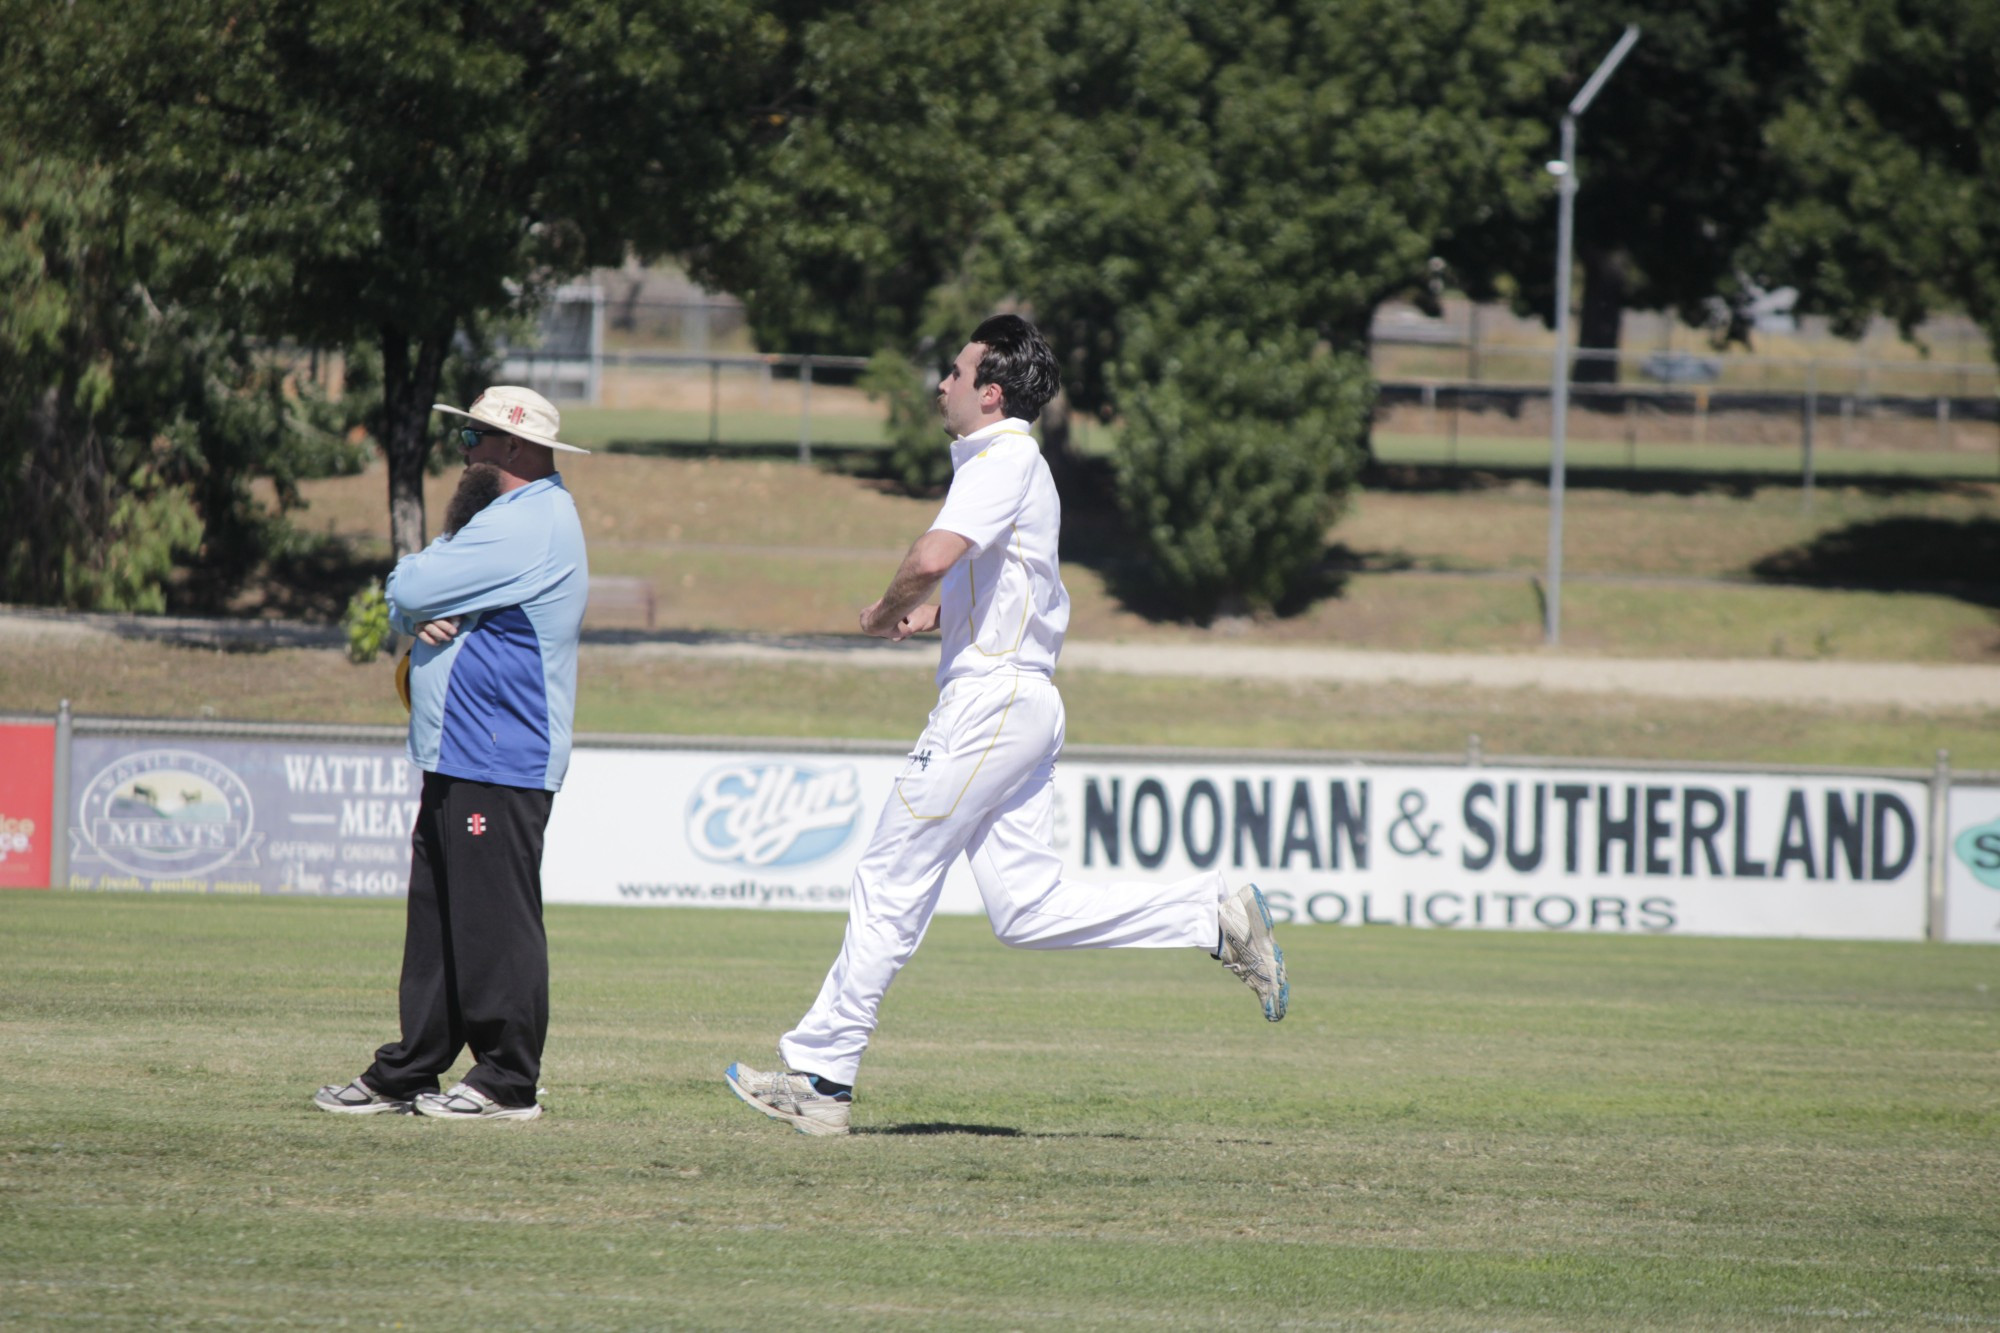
920 621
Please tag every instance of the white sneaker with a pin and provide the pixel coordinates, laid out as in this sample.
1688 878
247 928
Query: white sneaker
462 1101
1250 952
357 1098
791 1097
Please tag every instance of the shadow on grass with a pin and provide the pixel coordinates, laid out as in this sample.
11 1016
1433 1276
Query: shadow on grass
1951 557
863 460
257 640
229 636
930 1127
918 651
274 572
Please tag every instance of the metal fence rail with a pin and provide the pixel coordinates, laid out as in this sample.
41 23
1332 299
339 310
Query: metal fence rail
733 401
559 377
1806 419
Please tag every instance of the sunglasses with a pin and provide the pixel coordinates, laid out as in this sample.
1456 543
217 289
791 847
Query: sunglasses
470 436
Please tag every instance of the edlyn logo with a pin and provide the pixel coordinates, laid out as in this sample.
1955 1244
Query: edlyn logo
773 814
1979 848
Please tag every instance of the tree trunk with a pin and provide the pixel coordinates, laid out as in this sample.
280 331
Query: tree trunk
1360 336
1605 283
61 503
408 389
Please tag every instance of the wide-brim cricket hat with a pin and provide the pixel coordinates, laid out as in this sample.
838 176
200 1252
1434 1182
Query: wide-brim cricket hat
517 411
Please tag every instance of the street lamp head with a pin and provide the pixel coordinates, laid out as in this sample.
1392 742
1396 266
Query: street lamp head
1557 168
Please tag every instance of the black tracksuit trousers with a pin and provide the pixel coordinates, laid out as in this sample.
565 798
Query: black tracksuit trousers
475 956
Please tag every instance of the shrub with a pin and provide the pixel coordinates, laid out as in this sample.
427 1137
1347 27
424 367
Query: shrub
367 623
1235 457
917 459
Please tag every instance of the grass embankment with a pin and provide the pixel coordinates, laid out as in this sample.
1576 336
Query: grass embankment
1450 1131
1658 565
1872 570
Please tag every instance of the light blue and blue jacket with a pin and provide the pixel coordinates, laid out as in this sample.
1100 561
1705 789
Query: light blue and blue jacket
496 703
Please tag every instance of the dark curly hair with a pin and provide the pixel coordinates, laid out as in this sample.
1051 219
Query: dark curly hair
1017 359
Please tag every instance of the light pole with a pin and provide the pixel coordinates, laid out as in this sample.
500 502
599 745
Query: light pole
1564 169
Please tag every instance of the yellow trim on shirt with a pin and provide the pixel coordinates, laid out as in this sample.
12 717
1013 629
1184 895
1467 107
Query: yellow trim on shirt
1002 435
972 589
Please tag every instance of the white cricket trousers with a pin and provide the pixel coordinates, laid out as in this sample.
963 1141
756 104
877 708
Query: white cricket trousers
979 782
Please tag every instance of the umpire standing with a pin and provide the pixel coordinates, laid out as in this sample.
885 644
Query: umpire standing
496 607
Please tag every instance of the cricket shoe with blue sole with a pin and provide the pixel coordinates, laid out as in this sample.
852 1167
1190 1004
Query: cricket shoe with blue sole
1250 951
791 1097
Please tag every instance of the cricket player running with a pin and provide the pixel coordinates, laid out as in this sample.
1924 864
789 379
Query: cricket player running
979 778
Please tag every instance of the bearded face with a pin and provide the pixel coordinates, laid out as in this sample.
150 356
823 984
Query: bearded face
477 488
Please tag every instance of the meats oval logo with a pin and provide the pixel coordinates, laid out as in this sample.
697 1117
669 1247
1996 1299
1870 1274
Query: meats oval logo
166 813
773 814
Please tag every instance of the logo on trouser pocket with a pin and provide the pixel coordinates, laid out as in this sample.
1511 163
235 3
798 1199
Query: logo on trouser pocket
476 825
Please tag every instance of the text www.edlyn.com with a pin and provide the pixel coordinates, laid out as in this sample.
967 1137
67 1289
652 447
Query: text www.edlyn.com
744 892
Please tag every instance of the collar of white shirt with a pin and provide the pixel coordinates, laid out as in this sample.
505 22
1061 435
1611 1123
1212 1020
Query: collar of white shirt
968 447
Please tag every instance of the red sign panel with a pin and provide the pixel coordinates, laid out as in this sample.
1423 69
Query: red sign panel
27 781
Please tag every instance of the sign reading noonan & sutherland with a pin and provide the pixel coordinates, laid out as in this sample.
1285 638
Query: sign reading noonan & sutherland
1525 849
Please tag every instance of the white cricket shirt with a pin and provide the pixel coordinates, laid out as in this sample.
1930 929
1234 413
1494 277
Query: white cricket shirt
1002 607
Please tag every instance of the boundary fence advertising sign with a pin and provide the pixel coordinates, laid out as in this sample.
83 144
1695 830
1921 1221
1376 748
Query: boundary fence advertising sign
1972 866
1642 852
27 791
1492 848
720 828
1428 845
202 816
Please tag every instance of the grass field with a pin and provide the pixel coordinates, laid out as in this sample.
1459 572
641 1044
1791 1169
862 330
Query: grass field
1450 1131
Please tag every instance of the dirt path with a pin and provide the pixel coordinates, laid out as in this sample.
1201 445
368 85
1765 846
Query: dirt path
1924 688
1918 687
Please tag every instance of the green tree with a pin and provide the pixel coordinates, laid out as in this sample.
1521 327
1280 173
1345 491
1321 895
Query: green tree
360 172
130 427
1674 164
1890 196
1225 183
902 126
916 458
1235 456
864 226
